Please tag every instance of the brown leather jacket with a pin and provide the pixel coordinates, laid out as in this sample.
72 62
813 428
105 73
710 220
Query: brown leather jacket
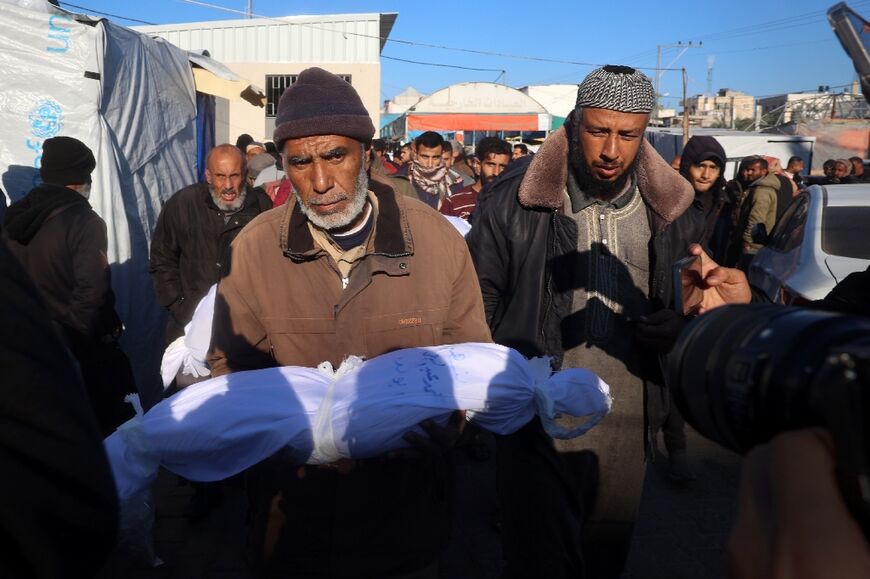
282 303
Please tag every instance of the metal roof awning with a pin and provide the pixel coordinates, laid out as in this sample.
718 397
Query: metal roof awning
212 77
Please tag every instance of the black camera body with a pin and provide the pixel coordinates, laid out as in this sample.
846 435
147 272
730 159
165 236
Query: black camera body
743 373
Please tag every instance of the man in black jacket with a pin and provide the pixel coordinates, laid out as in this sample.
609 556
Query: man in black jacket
191 243
574 252
60 507
702 163
62 244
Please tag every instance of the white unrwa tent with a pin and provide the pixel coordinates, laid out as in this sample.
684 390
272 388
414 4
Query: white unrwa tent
133 100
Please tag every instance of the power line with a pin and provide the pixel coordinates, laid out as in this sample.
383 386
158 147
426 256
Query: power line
772 25
776 46
91 10
806 90
779 24
411 42
789 22
637 57
799 20
442 65
764 96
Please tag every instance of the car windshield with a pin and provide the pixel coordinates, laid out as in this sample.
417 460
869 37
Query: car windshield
845 231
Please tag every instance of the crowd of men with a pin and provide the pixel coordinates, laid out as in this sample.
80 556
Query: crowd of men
742 212
323 247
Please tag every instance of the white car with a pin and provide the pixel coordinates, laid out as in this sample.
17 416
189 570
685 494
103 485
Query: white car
823 236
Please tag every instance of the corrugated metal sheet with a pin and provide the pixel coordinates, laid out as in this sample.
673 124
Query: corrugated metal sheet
352 38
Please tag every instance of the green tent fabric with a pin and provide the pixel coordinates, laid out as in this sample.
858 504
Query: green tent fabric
556 122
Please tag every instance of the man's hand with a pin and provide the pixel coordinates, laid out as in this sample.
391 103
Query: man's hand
659 331
440 441
792 522
721 285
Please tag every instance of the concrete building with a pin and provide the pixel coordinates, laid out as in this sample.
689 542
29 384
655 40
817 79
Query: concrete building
816 105
271 52
790 104
665 117
722 110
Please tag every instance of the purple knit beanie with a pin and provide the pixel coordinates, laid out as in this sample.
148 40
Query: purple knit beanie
320 103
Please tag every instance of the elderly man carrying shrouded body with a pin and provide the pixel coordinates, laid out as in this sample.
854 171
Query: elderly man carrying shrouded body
574 251
346 267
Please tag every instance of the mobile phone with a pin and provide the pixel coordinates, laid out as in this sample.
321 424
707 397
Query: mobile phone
688 293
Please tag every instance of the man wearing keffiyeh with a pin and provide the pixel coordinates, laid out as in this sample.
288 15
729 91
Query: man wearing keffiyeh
432 179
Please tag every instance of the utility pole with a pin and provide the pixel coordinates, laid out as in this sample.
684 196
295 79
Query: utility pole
683 48
685 107
733 115
710 61
250 9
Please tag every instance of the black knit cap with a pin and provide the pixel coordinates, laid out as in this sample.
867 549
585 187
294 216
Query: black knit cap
66 161
702 148
320 103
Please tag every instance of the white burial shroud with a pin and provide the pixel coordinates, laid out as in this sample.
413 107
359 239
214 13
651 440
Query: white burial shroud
188 353
215 429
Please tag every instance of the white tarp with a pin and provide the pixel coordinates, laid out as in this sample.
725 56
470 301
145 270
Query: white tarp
131 99
215 429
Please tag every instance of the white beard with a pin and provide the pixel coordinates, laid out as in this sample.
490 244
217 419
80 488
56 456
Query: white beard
233 206
346 217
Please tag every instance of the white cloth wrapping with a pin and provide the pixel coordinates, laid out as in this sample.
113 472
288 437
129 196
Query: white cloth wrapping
217 428
461 225
188 353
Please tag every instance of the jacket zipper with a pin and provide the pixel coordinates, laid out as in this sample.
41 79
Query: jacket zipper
548 287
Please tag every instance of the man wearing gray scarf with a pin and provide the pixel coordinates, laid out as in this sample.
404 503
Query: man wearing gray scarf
432 179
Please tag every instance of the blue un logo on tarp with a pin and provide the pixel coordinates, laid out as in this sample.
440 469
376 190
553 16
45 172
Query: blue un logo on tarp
46 119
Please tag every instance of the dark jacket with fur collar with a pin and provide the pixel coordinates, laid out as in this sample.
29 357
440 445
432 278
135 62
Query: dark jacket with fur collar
522 244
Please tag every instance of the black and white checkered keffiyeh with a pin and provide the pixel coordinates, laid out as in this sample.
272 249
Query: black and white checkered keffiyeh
617 88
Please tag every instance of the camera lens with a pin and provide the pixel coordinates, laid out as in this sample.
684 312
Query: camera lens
743 373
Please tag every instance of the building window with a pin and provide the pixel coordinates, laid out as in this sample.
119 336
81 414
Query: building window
277 83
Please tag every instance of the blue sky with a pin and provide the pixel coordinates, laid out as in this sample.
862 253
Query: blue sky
758 47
